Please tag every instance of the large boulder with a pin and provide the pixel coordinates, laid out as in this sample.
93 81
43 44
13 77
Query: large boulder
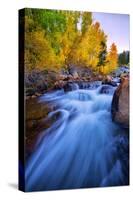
120 104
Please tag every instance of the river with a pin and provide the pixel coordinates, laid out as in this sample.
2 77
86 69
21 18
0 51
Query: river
83 147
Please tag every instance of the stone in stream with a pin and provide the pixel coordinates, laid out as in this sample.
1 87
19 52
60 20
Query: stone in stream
109 80
106 89
59 84
69 86
120 104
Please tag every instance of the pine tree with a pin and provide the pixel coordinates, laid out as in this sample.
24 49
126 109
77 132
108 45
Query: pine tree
102 56
124 58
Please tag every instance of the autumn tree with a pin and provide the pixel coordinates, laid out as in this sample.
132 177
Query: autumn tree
89 48
86 19
60 29
76 53
112 59
38 51
54 24
70 36
56 39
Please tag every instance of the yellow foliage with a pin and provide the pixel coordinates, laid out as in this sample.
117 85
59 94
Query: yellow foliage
53 49
89 46
112 58
38 52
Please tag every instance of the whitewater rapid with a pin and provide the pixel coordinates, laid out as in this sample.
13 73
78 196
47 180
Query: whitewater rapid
83 147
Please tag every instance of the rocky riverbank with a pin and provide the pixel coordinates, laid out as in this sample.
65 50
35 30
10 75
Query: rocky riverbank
80 126
38 82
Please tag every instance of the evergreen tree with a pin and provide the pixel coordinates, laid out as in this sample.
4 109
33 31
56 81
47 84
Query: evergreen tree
124 58
102 57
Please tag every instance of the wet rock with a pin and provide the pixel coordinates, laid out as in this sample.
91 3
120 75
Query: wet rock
35 122
30 124
33 96
114 84
121 70
109 81
69 86
117 80
63 76
84 85
40 81
36 110
27 97
106 89
59 84
99 77
37 94
30 91
120 104
41 86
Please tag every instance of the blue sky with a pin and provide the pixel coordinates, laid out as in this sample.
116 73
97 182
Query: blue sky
116 26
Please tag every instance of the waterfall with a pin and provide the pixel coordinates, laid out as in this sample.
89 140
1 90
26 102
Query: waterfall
83 147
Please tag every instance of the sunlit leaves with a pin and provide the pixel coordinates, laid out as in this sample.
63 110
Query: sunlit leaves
112 58
54 39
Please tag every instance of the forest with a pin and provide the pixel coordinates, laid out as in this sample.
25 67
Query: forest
56 39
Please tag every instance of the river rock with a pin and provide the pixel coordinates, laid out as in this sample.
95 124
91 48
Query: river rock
69 86
109 81
73 72
33 96
38 94
59 84
121 70
120 104
40 81
62 76
106 89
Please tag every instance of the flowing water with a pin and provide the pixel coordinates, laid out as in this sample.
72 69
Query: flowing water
83 147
